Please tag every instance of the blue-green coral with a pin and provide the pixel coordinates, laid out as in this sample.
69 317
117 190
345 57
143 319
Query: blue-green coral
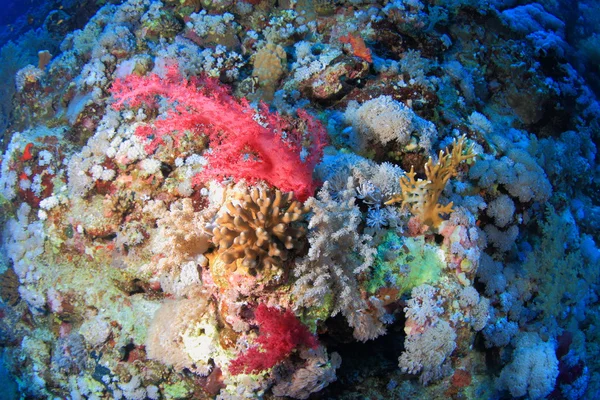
404 263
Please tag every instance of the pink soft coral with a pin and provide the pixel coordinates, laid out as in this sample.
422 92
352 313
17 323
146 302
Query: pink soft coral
244 143
280 333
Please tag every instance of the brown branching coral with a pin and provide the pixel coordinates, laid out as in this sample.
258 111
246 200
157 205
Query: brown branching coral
258 226
422 196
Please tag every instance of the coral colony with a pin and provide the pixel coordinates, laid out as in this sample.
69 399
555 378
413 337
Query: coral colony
251 199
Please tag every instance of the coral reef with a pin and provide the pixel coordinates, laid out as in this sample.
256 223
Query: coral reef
301 199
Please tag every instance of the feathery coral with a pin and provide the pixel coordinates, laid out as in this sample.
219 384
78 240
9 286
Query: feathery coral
338 253
244 143
422 196
280 333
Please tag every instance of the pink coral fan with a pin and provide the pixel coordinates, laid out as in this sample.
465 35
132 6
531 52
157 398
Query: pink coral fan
244 143
280 333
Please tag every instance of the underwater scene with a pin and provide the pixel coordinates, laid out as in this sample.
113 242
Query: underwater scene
299 199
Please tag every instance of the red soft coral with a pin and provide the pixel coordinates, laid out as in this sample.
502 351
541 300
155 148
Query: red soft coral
280 332
244 143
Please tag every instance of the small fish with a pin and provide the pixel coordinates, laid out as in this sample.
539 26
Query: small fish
27 152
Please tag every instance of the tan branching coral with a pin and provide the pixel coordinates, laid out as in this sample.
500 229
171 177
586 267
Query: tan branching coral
269 68
422 196
258 226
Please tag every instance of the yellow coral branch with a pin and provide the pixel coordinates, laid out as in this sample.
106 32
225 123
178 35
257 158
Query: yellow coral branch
421 196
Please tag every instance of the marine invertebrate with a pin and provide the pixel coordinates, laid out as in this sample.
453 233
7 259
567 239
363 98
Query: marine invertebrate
259 226
182 236
382 120
517 171
269 68
422 196
244 143
404 263
280 333
317 372
103 261
559 272
534 367
430 339
69 354
44 58
428 352
338 253
158 23
9 287
175 337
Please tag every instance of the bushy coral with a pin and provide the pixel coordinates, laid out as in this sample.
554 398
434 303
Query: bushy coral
244 143
502 209
269 67
183 334
384 120
558 271
518 171
280 332
533 369
338 253
427 352
182 235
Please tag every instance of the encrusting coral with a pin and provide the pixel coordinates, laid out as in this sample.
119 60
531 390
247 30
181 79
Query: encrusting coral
258 227
422 196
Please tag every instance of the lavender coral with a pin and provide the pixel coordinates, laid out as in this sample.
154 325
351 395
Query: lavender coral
533 370
337 254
